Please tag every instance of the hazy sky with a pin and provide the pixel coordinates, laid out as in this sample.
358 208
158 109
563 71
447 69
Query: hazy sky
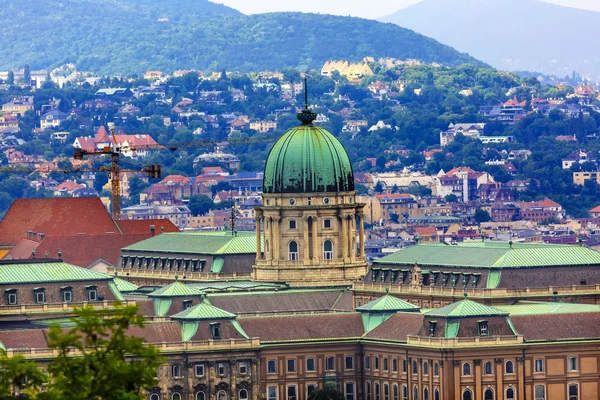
368 9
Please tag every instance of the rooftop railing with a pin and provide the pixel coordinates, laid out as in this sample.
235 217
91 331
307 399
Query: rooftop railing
464 342
171 274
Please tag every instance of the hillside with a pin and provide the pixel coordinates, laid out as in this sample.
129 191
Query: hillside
511 34
132 36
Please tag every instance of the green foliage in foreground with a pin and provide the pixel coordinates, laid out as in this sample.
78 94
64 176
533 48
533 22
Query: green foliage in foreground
329 392
97 360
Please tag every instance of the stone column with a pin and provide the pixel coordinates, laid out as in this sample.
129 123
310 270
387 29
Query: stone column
520 376
258 219
477 372
361 235
344 226
276 247
306 243
271 244
352 237
457 372
500 376
315 239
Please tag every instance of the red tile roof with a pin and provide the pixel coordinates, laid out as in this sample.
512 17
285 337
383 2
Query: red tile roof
595 209
83 250
426 231
547 327
55 217
398 327
298 327
142 226
394 196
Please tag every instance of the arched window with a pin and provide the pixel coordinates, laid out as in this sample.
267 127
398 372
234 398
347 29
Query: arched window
395 391
466 369
293 251
539 393
222 395
488 394
436 395
377 391
386 391
425 368
510 394
154 396
415 393
404 392
200 396
176 396
328 250
436 369
509 368
426 394
415 366
467 395
266 246
573 392
487 368
243 394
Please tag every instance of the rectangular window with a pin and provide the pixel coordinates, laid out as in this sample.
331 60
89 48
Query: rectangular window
40 297
572 364
404 366
292 224
310 365
349 362
376 363
539 365
350 391
272 393
483 328
573 392
12 298
330 363
311 387
199 369
367 362
385 364
291 365
243 368
291 392
221 369
67 296
271 367
394 365
92 295
368 390
327 223
176 371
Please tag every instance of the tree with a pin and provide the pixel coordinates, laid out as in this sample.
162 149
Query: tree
97 359
329 392
451 198
200 204
112 365
11 78
482 215
379 187
26 74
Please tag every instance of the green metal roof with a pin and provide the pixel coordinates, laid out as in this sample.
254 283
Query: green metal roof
493 256
217 265
308 159
47 272
535 308
387 303
214 243
466 308
176 289
203 311
123 285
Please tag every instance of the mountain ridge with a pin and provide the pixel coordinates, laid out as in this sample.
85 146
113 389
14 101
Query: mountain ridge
132 36
511 34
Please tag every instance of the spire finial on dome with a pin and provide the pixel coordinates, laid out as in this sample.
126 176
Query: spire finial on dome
306 116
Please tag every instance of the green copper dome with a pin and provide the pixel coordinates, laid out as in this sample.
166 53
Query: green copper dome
308 159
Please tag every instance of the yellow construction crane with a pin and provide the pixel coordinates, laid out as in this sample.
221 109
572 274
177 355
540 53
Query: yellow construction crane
153 171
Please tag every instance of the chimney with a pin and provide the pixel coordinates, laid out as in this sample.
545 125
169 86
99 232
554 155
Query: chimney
152 230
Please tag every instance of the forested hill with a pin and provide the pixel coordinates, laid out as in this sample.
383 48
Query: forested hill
133 36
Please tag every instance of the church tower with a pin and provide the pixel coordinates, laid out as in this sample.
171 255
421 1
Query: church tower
309 212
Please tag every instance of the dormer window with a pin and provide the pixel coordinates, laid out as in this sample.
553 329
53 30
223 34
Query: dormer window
215 330
432 326
91 293
66 294
11 296
187 304
40 295
483 328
